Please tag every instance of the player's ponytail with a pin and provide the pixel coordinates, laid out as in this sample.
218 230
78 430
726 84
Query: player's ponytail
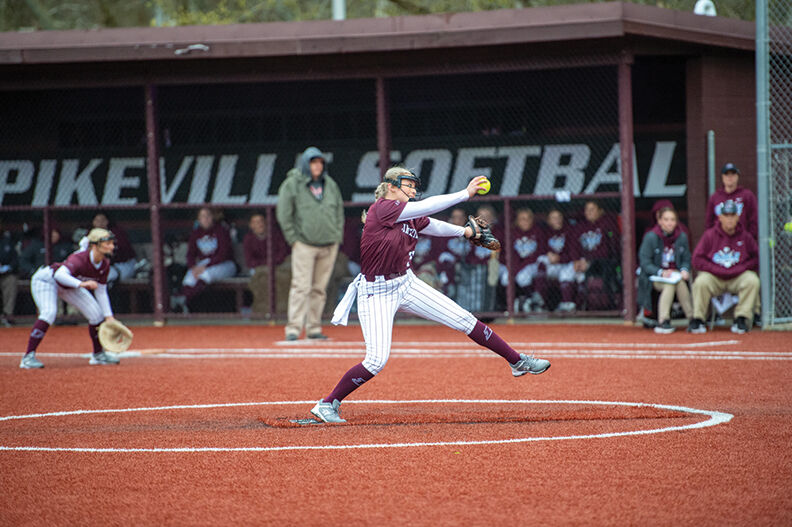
382 190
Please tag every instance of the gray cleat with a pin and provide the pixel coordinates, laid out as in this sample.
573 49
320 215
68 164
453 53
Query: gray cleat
328 412
528 364
102 358
30 362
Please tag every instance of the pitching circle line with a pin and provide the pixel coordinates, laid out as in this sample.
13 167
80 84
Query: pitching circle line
715 418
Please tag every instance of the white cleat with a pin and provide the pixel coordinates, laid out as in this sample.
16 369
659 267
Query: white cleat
328 412
30 362
528 364
102 358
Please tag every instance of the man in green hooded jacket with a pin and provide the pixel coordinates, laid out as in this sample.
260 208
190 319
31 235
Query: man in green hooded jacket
311 215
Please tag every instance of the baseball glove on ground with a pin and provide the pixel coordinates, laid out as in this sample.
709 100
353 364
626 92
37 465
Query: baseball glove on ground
114 336
482 235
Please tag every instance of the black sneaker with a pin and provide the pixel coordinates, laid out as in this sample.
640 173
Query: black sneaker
664 327
697 326
757 320
740 326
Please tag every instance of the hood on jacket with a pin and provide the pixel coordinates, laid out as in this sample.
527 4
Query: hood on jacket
305 160
738 229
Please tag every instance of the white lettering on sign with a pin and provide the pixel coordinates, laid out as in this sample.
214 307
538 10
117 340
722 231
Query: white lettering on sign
436 180
466 168
235 179
70 183
262 180
515 166
46 176
367 177
556 176
657 180
117 180
226 171
16 177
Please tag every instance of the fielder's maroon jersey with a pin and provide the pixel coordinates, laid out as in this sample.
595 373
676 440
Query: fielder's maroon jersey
563 243
387 244
80 267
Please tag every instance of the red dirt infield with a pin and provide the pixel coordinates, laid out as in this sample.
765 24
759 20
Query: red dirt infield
196 428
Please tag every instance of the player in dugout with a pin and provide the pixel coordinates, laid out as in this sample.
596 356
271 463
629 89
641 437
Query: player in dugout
387 284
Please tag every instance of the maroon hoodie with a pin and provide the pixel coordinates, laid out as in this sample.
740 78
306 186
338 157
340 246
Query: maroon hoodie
726 256
213 243
746 207
123 248
256 249
564 243
598 240
527 246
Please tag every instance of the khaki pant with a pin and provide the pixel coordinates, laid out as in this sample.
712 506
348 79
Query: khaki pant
679 290
259 285
745 286
311 269
8 285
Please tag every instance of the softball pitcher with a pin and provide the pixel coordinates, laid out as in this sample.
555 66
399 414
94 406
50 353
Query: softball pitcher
387 284
71 280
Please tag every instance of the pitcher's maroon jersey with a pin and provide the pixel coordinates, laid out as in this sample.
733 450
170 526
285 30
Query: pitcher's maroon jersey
387 245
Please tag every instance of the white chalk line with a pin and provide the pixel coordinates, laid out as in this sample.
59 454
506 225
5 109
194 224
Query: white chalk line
468 344
429 352
715 418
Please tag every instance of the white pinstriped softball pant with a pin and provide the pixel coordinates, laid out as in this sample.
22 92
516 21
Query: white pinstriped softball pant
45 292
379 301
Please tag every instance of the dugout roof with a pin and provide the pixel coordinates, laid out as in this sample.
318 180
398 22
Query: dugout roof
357 47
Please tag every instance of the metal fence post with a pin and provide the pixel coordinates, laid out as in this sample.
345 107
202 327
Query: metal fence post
711 183
627 197
383 126
153 171
47 235
763 159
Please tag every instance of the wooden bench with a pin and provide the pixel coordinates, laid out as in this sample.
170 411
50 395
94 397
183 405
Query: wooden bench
138 291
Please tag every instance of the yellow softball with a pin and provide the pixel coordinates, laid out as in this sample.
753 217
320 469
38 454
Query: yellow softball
484 187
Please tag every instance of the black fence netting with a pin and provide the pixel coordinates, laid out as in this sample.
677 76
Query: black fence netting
547 138
226 151
537 132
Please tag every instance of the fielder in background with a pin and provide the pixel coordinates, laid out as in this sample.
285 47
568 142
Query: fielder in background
81 280
387 284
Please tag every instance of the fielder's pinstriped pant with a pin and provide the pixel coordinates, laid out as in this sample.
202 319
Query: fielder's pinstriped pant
379 301
46 291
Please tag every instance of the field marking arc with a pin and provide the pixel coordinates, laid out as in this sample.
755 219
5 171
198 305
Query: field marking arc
715 418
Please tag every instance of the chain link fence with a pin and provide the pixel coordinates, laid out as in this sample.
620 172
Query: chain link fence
779 65
531 133
546 135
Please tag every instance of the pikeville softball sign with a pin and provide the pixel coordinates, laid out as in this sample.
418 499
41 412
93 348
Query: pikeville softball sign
250 177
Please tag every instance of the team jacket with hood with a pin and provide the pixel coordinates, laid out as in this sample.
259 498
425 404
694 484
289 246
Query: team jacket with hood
726 256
